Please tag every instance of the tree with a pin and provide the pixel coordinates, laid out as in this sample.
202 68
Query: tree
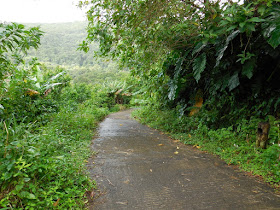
181 47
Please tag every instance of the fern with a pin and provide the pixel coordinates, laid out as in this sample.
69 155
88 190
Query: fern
199 65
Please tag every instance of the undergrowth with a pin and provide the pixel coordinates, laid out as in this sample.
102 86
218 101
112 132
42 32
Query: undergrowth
43 167
234 144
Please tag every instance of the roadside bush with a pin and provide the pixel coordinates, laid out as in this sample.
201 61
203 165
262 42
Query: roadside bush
44 166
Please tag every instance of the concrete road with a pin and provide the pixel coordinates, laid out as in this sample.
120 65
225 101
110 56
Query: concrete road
137 167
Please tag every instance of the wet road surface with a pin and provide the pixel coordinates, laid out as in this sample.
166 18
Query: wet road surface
137 167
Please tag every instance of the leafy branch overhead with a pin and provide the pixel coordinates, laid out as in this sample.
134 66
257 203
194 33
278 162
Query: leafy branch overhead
234 46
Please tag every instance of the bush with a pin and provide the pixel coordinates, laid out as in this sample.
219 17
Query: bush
45 166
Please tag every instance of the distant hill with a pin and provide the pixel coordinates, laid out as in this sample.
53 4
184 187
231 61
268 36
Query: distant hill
60 42
59 47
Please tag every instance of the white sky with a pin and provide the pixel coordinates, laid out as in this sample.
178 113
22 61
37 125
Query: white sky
40 11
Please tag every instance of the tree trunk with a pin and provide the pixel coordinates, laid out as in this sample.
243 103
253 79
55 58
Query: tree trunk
262 135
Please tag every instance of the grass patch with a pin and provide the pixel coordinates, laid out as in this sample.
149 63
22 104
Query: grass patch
45 167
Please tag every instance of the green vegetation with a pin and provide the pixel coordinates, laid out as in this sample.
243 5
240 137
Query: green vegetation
213 65
207 73
46 127
59 47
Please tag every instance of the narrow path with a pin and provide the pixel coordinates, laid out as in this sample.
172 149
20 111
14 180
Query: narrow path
136 167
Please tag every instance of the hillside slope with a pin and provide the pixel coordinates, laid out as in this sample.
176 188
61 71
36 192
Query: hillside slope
59 46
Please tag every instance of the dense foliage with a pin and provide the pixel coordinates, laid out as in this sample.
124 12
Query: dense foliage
207 72
46 127
228 50
218 57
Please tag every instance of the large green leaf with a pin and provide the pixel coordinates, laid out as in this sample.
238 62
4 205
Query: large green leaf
172 89
256 20
272 27
233 82
179 67
274 39
248 68
199 66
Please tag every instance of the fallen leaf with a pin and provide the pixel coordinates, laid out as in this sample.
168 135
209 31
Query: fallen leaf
160 144
190 135
198 147
151 170
177 147
85 161
176 153
123 203
56 203
126 181
90 194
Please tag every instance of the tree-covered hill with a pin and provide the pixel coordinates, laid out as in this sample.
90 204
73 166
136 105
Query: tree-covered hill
59 46
60 42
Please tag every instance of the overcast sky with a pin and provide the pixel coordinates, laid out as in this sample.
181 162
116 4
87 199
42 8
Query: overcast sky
40 11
